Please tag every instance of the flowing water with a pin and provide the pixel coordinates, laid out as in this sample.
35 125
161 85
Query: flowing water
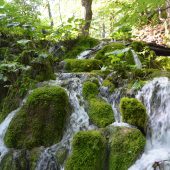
156 97
3 128
78 120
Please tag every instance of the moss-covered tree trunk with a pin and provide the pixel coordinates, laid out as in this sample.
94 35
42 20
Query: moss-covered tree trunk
87 4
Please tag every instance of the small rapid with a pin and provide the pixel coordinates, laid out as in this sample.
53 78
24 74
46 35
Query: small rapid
156 97
79 119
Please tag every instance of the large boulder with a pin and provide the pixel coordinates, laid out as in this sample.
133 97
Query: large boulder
88 151
41 121
133 112
100 112
126 145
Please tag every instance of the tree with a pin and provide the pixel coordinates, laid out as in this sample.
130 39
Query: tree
87 4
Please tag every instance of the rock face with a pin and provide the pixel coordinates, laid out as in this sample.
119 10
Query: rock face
133 112
41 121
126 145
88 151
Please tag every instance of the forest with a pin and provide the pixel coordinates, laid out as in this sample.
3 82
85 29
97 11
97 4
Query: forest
84 85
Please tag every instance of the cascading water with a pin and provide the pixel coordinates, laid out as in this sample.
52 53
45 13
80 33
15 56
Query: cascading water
78 120
156 97
3 128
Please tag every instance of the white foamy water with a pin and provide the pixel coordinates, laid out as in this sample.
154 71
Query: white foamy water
156 97
3 128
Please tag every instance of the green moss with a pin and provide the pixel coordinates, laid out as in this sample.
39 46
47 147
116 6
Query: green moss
138 46
61 155
126 145
83 65
106 49
90 89
41 121
109 84
100 112
42 70
76 46
21 159
88 151
134 112
163 63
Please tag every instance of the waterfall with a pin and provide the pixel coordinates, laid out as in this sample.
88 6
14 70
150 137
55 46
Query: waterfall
79 119
156 97
3 128
136 59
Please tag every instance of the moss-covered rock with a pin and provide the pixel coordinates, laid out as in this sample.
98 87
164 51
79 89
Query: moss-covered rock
41 121
109 84
42 69
90 89
133 112
75 46
106 49
100 112
83 65
88 151
21 159
126 145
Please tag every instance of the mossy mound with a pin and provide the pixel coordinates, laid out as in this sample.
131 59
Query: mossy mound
21 159
88 151
106 49
126 145
109 84
42 69
100 112
83 65
41 121
90 89
76 46
133 112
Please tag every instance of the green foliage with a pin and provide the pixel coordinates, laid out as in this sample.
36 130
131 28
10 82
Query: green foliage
106 49
126 145
90 90
41 120
134 112
100 112
77 45
163 63
88 151
83 65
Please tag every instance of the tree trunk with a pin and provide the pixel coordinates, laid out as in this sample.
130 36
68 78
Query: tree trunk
87 4
50 14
